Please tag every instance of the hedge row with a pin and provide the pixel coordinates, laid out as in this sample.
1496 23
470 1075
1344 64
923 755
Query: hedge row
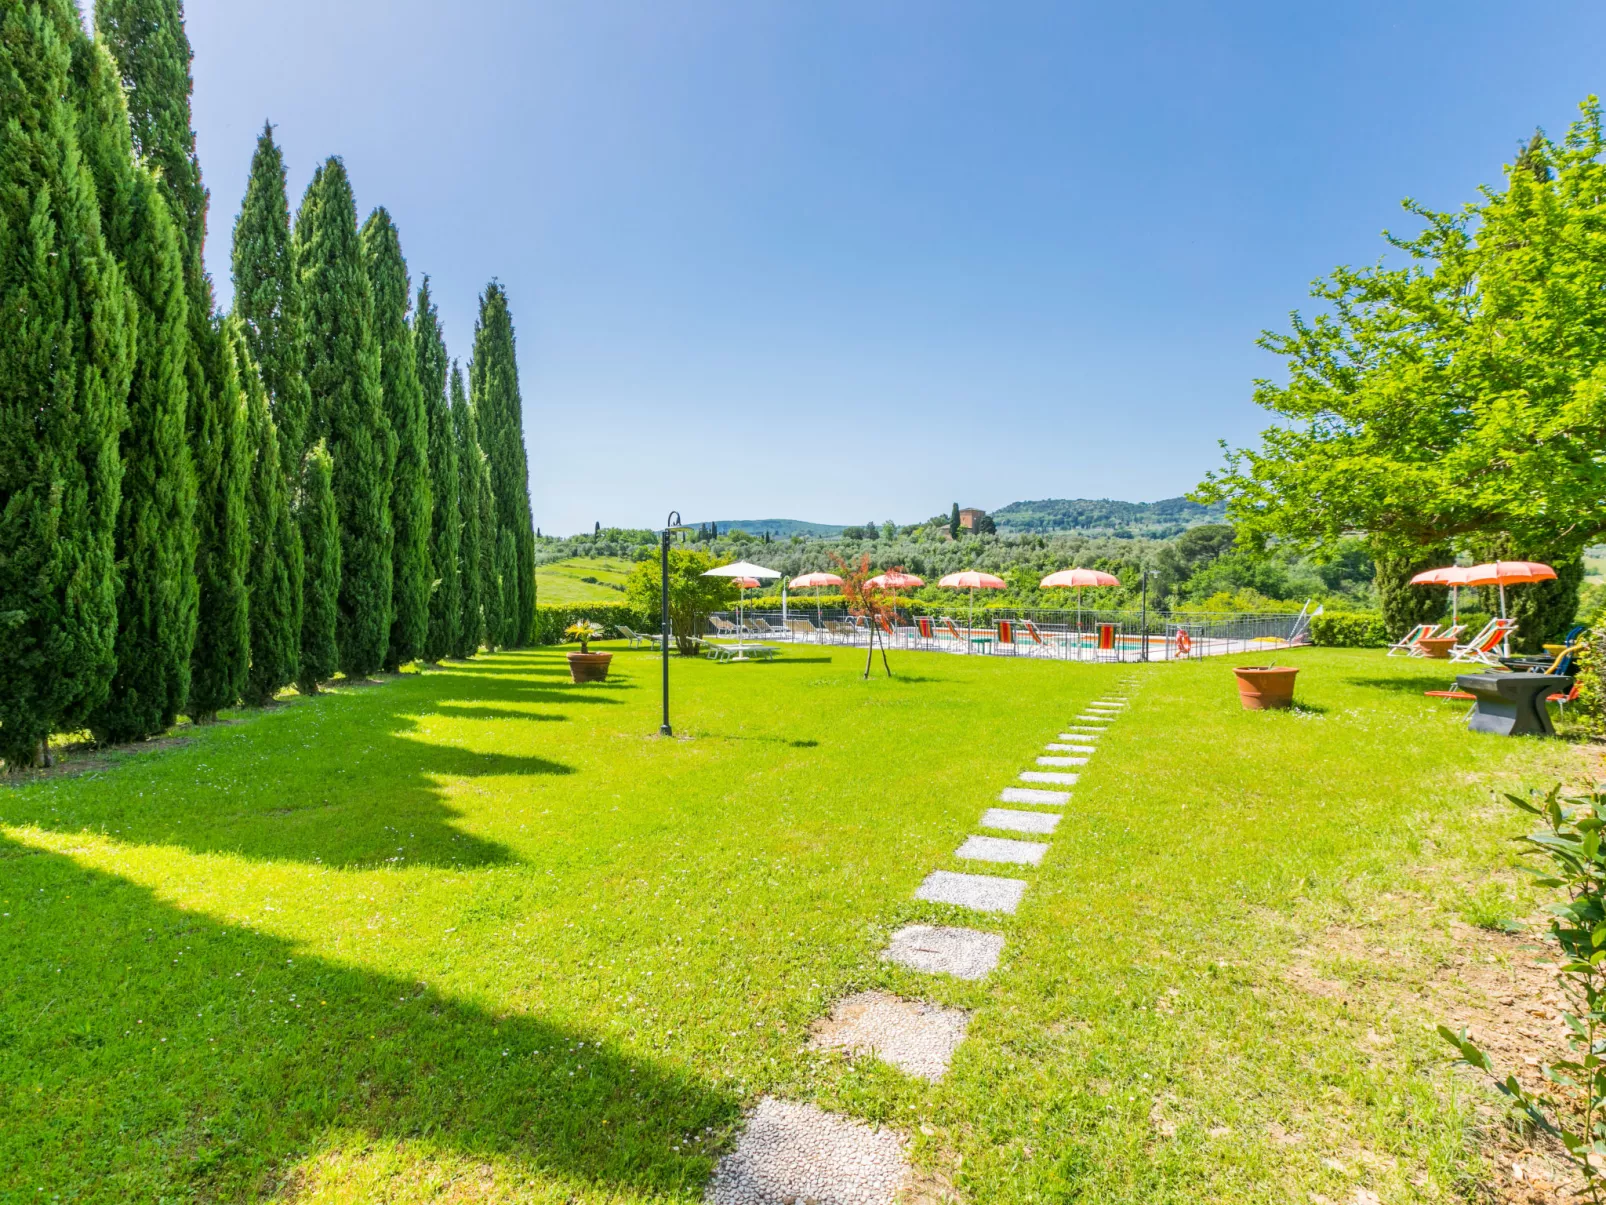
1349 630
552 618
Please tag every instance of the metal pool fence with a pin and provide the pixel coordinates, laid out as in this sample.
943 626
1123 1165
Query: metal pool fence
1059 635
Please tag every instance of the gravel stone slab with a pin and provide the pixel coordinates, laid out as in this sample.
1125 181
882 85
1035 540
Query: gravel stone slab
1056 799
1053 776
1020 822
1062 761
983 892
1071 748
1080 736
1093 719
916 1038
791 1153
938 950
1002 849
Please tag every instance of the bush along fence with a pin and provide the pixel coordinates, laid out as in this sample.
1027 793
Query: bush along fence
552 618
1349 630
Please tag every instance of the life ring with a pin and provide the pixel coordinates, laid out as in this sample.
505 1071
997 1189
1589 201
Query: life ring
1184 642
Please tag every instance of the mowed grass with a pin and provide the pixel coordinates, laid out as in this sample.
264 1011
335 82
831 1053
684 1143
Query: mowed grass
478 934
560 581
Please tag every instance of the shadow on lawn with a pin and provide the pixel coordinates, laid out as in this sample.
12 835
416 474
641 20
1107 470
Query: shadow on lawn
151 1053
342 779
1415 684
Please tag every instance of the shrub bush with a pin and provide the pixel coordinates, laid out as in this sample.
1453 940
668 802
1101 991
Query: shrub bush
1349 630
552 618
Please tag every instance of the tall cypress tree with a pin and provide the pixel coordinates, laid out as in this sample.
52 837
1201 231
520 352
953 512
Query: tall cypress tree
223 547
273 572
156 588
320 540
494 390
408 458
267 299
343 373
471 628
66 352
492 597
506 571
446 514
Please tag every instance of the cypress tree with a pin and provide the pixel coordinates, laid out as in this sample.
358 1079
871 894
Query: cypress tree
471 629
267 299
320 539
218 433
66 352
408 451
492 596
506 573
273 572
446 515
155 539
343 373
494 390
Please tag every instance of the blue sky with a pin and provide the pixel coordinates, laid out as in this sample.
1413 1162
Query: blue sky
842 261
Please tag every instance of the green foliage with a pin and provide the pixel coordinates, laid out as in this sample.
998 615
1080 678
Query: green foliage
953 522
1349 630
1403 605
692 597
472 479
446 513
507 568
218 433
585 631
1461 394
274 571
1545 610
1156 520
343 373
494 390
319 521
407 457
267 299
1569 841
66 352
155 541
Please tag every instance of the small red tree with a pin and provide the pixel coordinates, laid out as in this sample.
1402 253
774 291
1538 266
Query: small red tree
872 603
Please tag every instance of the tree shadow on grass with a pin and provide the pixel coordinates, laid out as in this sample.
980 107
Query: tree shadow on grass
151 1053
473 712
1414 684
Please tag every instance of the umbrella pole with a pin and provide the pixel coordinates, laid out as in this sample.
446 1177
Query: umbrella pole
970 624
1455 605
1505 641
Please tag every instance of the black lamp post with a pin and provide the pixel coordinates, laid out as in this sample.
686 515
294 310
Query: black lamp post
670 527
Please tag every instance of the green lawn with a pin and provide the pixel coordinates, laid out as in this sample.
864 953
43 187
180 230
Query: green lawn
479 934
560 581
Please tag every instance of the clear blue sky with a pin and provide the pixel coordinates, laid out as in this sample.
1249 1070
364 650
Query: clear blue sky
850 261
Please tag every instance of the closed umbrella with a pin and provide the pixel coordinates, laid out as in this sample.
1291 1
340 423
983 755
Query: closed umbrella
971 580
1066 578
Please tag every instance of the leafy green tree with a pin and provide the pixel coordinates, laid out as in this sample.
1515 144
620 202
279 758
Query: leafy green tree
692 597
220 435
343 373
274 570
494 390
446 515
319 520
155 541
267 299
471 631
408 449
66 353
1402 604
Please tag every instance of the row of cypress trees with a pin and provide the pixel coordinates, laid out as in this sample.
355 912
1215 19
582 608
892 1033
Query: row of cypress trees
198 509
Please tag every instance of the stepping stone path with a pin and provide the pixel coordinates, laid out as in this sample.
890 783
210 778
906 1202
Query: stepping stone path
918 1039
797 1154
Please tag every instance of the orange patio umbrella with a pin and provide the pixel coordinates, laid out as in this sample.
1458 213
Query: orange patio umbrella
972 580
1454 576
1078 577
809 580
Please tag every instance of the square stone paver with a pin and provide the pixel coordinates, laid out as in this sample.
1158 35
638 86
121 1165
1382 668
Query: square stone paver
1071 748
940 950
1020 822
1002 849
1051 776
915 1037
790 1153
1062 761
1034 795
983 892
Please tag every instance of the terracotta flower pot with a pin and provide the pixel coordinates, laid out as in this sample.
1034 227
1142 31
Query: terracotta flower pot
589 667
1263 687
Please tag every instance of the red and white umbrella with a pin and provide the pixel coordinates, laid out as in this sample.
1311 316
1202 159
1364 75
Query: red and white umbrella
1078 578
895 580
812 580
973 580
1492 573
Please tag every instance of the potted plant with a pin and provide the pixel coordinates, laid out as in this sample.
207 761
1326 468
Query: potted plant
586 666
1264 687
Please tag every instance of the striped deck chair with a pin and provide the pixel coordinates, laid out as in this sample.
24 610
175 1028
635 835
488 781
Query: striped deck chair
1006 632
952 631
1031 630
1482 647
1406 645
923 626
1106 637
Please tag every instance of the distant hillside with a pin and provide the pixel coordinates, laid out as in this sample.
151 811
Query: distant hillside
1105 516
780 528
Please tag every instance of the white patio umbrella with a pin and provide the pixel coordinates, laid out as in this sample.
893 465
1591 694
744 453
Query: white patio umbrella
743 569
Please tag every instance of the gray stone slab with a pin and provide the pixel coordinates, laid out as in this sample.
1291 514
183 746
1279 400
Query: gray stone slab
1020 822
940 950
791 1153
1050 776
1092 719
915 1037
983 892
1071 748
1062 761
1002 849
1080 736
1034 795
